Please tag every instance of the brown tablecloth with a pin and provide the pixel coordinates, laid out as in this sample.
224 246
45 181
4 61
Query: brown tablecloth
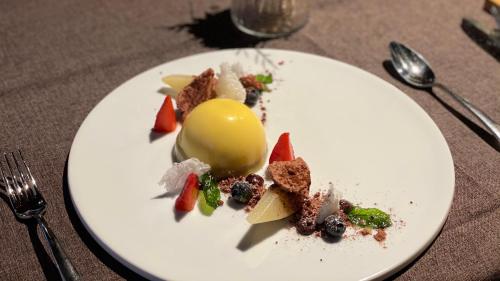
59 58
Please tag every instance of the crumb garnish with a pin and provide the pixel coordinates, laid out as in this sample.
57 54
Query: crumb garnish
201 89
250 81
380 235
308 214
365 231
291 176
225 184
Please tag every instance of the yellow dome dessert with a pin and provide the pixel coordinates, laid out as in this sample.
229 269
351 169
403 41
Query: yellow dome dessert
225 134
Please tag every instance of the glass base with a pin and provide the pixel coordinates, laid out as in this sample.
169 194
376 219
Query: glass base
262 34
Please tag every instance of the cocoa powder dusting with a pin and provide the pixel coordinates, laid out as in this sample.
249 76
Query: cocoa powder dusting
225 184
365 231
263 117
262 107
308 213
257 183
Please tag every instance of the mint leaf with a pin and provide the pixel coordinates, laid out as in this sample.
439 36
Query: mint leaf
264 79
210 189
212 196
206 180
369 217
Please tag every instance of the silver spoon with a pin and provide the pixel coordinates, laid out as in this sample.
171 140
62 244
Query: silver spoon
416 71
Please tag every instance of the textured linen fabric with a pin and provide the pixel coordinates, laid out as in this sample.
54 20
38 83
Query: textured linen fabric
58 59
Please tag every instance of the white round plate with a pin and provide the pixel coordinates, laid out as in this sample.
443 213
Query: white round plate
376 145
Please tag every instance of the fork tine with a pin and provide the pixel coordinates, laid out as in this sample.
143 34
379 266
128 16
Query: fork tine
7 185
19 171
14 180
31 178
3 188
24 178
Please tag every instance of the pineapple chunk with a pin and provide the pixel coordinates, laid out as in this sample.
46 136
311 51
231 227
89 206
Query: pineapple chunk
178 81
275 204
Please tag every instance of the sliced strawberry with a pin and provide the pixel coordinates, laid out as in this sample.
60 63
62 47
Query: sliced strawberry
283 150
187 199
165 119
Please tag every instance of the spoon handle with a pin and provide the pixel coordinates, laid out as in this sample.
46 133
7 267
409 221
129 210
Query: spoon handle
493 127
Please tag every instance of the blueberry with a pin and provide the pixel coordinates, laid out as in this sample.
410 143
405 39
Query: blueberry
241 191
334 226
255 180
252 96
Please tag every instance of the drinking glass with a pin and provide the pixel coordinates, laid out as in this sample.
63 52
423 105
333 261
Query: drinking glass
269 18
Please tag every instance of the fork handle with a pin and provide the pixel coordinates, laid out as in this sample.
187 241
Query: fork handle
66 269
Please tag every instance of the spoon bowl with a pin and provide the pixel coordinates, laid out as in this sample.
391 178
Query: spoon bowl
411 66
416 71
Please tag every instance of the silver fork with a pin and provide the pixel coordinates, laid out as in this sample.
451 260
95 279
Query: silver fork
27 202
